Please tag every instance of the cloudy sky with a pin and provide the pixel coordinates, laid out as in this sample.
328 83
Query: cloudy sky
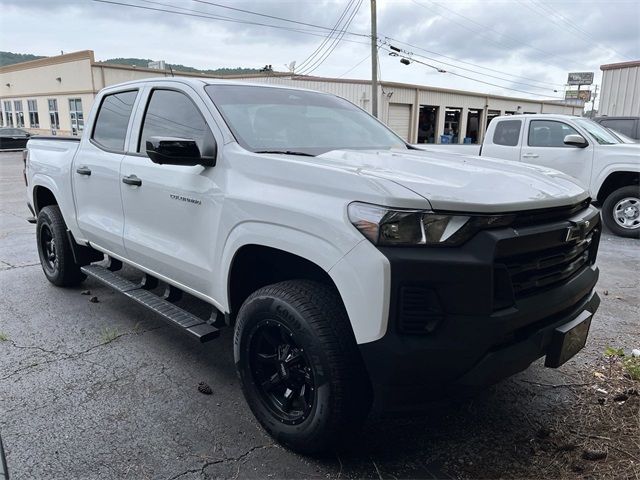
525 45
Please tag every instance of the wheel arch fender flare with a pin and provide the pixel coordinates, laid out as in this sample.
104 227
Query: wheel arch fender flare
64 201
319 251
601 184
361 275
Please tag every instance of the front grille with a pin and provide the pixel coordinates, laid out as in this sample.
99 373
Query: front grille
420 310
540 270
547 215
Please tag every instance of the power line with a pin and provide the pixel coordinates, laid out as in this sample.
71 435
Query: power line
324 42
550 15
337 40
355 66
484 28
475 71
319 61
331 41
251 12
470 63
209 16
471 78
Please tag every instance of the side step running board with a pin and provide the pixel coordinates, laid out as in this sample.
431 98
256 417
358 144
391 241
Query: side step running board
194 325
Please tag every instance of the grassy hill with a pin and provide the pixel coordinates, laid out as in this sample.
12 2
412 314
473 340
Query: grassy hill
143 62
9 58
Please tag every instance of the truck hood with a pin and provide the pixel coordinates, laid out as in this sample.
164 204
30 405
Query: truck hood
632 149
465 183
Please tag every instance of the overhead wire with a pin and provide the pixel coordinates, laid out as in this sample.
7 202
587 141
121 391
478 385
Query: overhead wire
486 28
476 72
275 17
471 78
396 40
355 66
329 36
311 68
319 61
200 14
552 16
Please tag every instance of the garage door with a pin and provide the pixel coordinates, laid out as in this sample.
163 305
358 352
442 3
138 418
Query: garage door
399 119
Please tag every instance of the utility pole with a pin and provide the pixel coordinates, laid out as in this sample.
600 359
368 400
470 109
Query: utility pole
374 60
593 102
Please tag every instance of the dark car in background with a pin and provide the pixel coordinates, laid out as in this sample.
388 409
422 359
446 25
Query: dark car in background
13 138
629 126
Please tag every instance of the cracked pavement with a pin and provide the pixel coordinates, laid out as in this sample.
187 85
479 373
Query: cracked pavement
107 390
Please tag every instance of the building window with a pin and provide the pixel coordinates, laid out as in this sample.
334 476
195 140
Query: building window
1 115
8 113
34 120
19 113
53 114
77 119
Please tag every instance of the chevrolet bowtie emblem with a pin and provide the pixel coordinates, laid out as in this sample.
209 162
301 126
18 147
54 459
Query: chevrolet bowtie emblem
577 230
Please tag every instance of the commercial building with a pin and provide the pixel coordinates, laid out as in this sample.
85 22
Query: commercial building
620 92
53 94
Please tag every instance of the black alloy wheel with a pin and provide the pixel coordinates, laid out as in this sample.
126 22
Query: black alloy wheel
281 372
299 365
48 248
55 250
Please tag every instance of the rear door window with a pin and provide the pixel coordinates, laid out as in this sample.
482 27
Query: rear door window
549 133
507 133
112 122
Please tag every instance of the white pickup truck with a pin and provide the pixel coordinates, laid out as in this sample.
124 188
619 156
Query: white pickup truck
608 167
360 275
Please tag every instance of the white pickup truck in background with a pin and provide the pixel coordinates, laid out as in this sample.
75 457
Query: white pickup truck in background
358 273
606 165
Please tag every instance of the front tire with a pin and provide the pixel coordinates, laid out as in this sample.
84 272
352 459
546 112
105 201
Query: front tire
621 211
300 369
54 249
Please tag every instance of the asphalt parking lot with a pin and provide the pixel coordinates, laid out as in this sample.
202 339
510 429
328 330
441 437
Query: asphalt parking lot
107 390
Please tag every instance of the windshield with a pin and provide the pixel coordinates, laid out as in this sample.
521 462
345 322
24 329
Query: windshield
598 132
621 136
265 119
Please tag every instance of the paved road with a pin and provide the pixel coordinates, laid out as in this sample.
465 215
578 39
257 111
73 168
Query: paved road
107 390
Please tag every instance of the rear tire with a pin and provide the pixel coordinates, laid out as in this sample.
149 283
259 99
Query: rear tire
621 211
299 365
54 249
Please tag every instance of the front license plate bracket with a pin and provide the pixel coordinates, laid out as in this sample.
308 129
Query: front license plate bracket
568 339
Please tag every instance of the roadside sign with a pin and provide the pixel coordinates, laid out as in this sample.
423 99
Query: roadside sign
580 78
584 95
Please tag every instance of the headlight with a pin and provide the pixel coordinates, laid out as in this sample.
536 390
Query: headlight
388 226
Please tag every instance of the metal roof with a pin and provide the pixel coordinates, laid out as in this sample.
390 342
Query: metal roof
615 66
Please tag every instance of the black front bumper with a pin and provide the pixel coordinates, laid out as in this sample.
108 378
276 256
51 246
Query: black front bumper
473 315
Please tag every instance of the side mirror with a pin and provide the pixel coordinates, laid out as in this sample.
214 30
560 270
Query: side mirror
179 151
575 141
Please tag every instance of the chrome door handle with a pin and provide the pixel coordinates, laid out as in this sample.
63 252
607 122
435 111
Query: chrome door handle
132 180
530 155
84 170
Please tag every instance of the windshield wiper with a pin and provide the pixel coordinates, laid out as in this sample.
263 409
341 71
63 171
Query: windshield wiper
286 152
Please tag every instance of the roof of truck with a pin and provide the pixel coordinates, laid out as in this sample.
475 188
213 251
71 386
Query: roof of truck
199 82
557 116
